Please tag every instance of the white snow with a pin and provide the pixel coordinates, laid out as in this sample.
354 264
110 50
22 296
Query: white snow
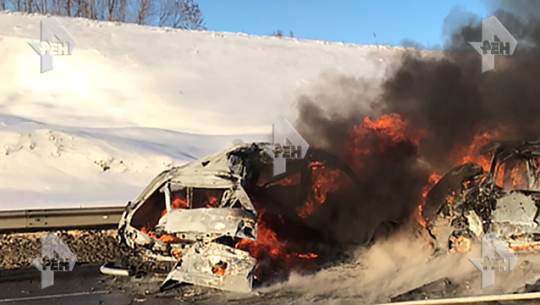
45 165
133 100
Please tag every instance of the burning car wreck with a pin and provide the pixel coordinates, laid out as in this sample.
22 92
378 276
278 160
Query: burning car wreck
500 196
208 222
192 216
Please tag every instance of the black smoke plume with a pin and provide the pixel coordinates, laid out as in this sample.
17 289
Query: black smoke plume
442 94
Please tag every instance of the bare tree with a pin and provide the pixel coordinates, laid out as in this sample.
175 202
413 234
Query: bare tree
81 8
92 9
278 33
86 9
111 6
101 10
183 14
69 5
56 8
165 12
144 8
38 6
192 16
122 11
41 6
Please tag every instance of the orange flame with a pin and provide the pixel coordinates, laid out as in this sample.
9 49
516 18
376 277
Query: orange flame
525 247
472 153
432 180
391 125
213 202
371 136
324 181
180 202
268 244
219 269
169 239
517 176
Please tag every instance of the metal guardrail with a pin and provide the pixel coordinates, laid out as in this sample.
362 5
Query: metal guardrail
49 219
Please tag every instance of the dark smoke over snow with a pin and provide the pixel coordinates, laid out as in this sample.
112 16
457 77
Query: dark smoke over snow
453 100
447 97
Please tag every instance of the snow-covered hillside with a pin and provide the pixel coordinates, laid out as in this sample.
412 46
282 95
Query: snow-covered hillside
132 100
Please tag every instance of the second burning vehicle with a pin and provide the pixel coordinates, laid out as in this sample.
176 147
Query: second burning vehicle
469 202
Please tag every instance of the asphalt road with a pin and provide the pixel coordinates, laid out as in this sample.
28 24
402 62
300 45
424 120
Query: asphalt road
85 285
82 286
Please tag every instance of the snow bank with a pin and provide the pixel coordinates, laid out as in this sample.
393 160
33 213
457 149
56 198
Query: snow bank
132 100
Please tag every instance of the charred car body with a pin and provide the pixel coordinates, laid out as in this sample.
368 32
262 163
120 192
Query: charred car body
192 216
469 202
196 222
